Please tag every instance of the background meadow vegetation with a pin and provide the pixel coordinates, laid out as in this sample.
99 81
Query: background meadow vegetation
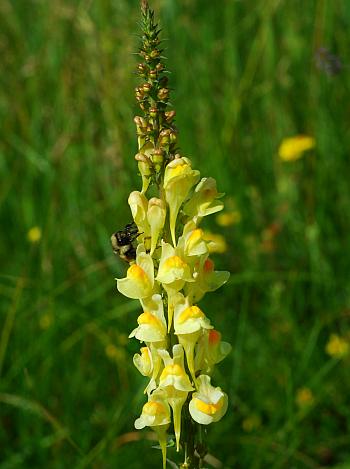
246 75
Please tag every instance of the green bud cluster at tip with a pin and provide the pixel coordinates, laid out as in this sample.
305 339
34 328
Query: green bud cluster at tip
157 134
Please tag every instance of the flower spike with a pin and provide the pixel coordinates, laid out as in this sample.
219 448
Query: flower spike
172 269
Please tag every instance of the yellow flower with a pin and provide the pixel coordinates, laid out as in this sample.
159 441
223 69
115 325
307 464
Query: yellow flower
179 178
210 351
143 362
337 347
176 383
173 270
148 363
189 323
139 204
139 281
304 397
229 218
209 404
34 234
204 200
192 242
206 280
156 214
152 325
174 373
292 148
156 414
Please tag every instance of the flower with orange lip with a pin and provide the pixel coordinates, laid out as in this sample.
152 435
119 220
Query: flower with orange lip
206 279
204 200
139 280
179 178
189 323
176 383
209 404
156 414
210 350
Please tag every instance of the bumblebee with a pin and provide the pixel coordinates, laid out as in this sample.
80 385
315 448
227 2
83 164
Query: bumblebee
122 242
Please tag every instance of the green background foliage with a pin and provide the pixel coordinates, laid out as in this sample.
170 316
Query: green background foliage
244 78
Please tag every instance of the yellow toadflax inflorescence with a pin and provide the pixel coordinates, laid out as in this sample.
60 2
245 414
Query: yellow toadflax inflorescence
171 269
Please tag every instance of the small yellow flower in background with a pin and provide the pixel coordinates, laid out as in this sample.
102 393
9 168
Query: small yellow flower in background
337 347
217 243
251 423
292 148
304 397
229 218
34 234
45 321
114 353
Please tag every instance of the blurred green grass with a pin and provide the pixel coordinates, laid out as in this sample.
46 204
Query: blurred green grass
244 78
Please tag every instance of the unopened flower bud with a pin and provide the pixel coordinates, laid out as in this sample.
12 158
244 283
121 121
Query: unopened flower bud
153 74
140 121
158 156
139 93
163 82
163 94
159 67
169 116
142 157
164 137
145 171
155 53
141 68
173 137
153 111
146 88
